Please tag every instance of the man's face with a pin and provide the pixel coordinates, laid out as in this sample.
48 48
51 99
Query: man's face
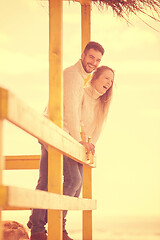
91 60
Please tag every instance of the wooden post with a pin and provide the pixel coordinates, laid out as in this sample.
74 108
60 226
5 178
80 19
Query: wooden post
85 23
87 193
55 163
87 181
1 171
3 114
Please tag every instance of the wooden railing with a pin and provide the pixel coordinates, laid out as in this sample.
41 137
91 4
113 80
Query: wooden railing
15 111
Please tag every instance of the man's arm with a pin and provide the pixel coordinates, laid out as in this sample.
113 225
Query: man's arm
72 100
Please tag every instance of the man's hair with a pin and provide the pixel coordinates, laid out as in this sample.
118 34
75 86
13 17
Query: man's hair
94 45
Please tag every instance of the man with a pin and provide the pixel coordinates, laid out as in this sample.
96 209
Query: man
73 82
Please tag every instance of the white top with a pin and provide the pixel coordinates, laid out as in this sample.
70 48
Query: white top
79 104
89 113
73 82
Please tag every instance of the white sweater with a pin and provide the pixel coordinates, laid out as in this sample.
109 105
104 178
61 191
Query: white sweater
89 118
73 82
79 104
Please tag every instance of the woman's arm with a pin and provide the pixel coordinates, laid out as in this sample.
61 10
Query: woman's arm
89 147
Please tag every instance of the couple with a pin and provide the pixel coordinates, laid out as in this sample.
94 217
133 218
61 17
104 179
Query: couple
83 106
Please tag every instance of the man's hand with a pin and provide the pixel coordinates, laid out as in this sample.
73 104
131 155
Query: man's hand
89 147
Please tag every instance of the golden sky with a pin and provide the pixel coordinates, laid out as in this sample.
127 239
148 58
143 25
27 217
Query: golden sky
127 178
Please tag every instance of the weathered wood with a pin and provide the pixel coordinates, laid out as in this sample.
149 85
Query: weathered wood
22 162
1 171
3 196
85 23
42 128
55 163
87 180
1 150
21 197
3 103
87 193
55 184
15 208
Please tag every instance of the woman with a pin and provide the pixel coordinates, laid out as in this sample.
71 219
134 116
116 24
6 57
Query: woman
94 109
95 105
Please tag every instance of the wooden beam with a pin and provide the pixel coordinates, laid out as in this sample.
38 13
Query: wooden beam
3 196
2 200
55 161
85 23
7 208
87 193
55 61
28 198
87 179
3 103
1 151
42 128
55 184
22 162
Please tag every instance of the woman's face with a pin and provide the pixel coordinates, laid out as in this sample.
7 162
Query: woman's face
104 81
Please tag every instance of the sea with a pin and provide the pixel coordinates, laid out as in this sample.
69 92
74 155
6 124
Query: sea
104 227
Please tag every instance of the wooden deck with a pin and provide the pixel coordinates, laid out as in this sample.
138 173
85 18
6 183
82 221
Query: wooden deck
49 131
38 126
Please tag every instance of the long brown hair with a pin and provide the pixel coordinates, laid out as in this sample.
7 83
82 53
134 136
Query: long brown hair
105 99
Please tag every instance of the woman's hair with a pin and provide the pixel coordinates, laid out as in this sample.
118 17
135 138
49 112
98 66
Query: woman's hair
105 99
107 96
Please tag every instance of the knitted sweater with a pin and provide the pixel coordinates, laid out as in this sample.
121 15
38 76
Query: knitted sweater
90 115
73 82
79 104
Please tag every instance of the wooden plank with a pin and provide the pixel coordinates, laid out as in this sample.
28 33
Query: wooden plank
87 225
42 128
55 61
2 198
3 103
55 184
87 193
1 232
7 208
22 162
87 180
85 23
1 151
28 198
55 163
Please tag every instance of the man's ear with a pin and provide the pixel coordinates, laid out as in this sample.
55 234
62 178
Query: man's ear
82 55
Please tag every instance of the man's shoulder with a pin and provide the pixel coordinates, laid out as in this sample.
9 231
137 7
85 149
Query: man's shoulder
76 68
71 69
71 73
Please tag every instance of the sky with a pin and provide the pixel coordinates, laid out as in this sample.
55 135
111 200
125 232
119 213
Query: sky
127 178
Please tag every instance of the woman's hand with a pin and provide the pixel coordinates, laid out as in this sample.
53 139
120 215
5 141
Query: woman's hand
89 147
